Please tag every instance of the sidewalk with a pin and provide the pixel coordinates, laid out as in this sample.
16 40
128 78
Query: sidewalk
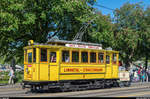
139 83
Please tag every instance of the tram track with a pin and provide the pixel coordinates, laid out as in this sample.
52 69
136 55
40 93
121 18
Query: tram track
19 92
112 93
93 93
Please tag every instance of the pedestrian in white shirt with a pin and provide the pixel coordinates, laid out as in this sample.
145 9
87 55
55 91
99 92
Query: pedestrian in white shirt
11 78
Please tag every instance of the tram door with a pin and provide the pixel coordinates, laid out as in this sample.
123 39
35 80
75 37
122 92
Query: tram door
28 64
115 65
108 66
53 64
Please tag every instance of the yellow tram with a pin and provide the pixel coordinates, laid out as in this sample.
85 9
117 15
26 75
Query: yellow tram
68 64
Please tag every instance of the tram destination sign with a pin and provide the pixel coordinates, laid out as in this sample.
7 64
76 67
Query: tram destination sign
83 46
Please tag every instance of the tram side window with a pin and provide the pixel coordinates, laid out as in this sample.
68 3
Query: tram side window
93 57
43 55
34 54
29 57
100 57
53 57
65 56
84 57
107 59
75 56
114 58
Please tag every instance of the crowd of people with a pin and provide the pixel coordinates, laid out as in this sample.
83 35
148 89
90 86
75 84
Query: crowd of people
140 75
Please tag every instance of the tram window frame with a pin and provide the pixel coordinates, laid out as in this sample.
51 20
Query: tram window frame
34 54
73 57
45 56
65 58
25 56
82 58
107 62
92 57
114 58
55 58
100 59
30 57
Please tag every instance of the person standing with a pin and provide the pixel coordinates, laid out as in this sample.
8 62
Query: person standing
143 76
11 78
139 74
148 75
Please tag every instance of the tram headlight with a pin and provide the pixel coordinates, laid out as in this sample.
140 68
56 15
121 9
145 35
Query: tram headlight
30 42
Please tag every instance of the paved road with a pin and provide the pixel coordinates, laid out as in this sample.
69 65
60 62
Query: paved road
136 90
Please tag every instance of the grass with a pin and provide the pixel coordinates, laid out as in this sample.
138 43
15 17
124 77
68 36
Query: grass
3 82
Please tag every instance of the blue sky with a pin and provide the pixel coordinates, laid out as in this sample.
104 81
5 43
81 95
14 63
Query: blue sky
113 4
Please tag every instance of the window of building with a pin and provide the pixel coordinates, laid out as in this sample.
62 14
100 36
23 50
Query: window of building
84 57
34 54
114 58
75 56
100 57
93 57
29 57
65 56
43 55
107 59
53 57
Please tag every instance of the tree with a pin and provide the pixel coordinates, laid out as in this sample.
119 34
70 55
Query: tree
100 30
145 43
130 26
23 20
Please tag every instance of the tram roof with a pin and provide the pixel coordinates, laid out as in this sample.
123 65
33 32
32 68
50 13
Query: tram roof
59 43
72 42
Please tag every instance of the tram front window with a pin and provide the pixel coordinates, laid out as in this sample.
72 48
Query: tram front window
29 57
34 54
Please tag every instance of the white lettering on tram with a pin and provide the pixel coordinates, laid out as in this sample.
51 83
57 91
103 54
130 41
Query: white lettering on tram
83 46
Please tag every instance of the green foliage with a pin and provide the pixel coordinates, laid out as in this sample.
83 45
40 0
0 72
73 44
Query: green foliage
18 76
130 31
4 77
101 31
23 20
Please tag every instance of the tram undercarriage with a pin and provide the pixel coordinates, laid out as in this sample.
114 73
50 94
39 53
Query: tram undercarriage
74 85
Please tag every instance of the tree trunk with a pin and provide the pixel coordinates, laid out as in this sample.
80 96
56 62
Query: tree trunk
146 61
128 65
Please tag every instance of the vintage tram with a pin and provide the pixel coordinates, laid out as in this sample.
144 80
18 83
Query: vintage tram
69 65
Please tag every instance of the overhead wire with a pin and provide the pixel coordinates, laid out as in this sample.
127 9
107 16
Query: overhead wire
79 35
105 7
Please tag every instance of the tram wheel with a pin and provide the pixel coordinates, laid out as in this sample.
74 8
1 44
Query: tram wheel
121 84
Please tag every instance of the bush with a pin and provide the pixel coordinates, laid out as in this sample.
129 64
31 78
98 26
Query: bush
4 76
18 76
